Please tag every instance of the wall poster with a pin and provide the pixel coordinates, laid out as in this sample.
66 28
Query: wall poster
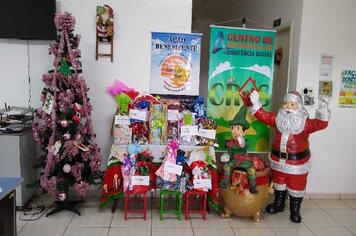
347 94
175 63
240 60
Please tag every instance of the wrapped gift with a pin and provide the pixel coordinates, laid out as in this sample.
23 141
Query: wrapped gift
199 108
121 130
140 132
239 181
169 173
127 170
158 124
172 122
144 183
139 118
143 166
122 135
206 132
188 130
199 169
129 165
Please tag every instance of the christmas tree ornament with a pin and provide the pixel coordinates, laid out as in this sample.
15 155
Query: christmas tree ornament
66 168
66 136
62 196
64 67
48 104
64 123
77 115
56 146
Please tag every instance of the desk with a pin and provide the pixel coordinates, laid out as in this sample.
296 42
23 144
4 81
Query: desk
8 205
17 157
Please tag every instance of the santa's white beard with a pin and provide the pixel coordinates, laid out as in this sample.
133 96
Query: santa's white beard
291 122
105 17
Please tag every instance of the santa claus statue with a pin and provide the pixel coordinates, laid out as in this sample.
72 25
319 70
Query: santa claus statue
104 23
290 155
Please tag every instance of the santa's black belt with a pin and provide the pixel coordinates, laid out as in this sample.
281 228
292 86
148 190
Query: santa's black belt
291 156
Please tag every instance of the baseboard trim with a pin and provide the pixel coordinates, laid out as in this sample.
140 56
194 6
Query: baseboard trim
341 196
95 192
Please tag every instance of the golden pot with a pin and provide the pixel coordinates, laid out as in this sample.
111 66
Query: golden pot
246 204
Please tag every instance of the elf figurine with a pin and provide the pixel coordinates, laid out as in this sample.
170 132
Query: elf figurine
237 151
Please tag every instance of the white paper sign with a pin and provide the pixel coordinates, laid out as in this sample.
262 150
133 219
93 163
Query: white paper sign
189 130
202 183
140 180
326 65
173 115
122 120
138 115
173 168
207 133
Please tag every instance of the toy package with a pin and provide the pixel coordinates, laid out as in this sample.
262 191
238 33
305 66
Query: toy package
139 117
172 121
122 132
207 132
158 124
188 130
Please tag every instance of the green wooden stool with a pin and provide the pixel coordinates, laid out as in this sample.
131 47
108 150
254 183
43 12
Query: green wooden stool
178 199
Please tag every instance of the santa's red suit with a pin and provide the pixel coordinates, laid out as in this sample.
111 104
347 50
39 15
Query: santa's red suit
290 155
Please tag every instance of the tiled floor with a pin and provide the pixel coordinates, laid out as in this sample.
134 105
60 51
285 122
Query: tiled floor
320 217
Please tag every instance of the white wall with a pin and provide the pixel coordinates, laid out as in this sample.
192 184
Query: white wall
134 21
317 26
328 26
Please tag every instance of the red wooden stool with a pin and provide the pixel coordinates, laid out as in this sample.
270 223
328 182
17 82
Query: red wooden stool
129 200
200 198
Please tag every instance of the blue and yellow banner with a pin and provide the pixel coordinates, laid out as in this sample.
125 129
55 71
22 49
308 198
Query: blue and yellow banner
347 94
240 60
175 63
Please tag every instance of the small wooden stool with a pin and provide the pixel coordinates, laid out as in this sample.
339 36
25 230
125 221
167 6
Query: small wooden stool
128 200
178 199
200 198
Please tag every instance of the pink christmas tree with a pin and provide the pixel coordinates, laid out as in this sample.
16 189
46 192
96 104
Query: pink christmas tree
63 129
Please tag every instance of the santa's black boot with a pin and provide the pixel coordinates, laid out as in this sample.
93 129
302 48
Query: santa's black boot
294 206
279 202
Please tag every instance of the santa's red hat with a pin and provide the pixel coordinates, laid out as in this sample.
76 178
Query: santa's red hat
198 164
109 9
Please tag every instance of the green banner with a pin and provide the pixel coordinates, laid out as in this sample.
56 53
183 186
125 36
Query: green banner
240 60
